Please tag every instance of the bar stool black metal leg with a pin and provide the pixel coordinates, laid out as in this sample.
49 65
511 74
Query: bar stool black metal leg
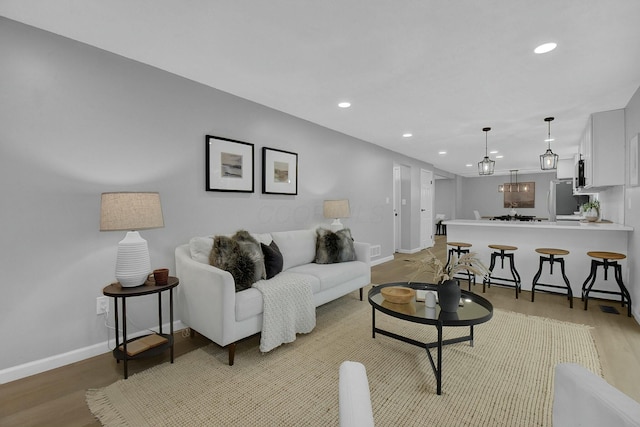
623 289
449 255
535 279
566 281
458 251
487 280
514 273
586 289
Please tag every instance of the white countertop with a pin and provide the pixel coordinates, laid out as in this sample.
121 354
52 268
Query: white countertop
567 225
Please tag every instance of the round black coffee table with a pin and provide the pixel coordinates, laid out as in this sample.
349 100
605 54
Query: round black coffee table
473 311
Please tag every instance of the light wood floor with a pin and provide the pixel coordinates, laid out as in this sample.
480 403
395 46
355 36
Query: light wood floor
56 398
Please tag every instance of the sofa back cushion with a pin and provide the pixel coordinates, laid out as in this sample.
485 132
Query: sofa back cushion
297 247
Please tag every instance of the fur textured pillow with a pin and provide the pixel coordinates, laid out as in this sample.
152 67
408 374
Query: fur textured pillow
227 254
334 247
273 260
252 248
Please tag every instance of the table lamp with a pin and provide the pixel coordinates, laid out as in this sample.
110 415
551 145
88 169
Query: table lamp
131 212
336 209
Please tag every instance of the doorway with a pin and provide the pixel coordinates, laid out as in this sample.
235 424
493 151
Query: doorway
397 191
426 208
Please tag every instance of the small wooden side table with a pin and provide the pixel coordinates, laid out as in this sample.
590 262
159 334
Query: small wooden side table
116 291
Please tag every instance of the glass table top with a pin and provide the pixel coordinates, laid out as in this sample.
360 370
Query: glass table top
473 310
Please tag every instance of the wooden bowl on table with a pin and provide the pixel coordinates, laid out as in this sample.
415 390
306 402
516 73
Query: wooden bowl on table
398 294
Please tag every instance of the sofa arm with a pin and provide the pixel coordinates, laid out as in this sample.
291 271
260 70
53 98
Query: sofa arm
363 252
354 397
207 297
581 398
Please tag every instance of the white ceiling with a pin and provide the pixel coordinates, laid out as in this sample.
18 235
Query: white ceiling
439 69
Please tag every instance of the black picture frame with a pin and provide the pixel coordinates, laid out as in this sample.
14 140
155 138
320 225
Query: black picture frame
229 165
279 172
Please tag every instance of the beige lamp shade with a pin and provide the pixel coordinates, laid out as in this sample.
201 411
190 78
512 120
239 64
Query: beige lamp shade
131 211
336 209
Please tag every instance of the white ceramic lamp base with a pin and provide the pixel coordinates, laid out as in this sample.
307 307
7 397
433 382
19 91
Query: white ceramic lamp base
133 264
336 225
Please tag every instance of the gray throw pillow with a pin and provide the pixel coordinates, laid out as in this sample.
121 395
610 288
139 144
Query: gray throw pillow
227 255
334 247
252 247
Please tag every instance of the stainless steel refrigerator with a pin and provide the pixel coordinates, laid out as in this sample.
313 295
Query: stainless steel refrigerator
561 201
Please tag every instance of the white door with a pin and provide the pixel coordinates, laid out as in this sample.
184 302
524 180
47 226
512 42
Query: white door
426 210
397 182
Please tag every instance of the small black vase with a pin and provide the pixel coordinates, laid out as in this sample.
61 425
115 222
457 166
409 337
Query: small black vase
449 295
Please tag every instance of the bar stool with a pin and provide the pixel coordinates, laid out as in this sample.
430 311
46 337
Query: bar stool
515 281
441 229
608 259
458 249
555 255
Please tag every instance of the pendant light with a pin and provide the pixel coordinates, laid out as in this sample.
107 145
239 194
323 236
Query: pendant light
548 160
512 188
486 166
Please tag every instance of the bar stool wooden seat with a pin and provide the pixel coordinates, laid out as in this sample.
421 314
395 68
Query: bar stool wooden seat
514 281
554 255
606 260
458 249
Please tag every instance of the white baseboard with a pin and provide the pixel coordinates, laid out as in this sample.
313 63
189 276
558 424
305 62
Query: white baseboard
409 251
381 260
52 362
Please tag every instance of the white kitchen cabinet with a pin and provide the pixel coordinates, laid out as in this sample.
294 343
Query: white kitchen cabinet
565 169
602 148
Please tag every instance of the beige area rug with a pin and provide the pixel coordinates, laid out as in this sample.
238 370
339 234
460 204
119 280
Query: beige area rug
506 379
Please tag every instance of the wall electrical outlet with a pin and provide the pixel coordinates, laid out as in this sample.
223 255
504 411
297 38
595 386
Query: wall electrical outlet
102 305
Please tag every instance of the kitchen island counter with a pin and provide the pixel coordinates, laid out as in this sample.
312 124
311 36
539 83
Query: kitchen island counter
576 237
568 225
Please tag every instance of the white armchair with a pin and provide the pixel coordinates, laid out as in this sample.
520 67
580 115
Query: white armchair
355 399
582 398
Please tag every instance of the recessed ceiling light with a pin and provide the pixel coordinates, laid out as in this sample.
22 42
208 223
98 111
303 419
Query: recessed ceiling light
500 157
407 135
442 152
468 165
549 139
344 104
493 152
544 48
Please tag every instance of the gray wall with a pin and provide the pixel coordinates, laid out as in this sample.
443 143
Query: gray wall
77 121
481 194
444 202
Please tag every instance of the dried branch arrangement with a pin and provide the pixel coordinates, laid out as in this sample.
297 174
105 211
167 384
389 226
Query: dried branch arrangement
430 264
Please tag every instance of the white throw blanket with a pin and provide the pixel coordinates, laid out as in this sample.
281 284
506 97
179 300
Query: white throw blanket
287 309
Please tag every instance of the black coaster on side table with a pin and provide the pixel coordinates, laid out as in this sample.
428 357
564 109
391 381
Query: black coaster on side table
609 309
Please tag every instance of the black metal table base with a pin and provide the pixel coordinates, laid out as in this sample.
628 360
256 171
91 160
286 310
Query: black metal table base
436 365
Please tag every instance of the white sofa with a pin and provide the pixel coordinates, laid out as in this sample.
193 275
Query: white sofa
209 304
